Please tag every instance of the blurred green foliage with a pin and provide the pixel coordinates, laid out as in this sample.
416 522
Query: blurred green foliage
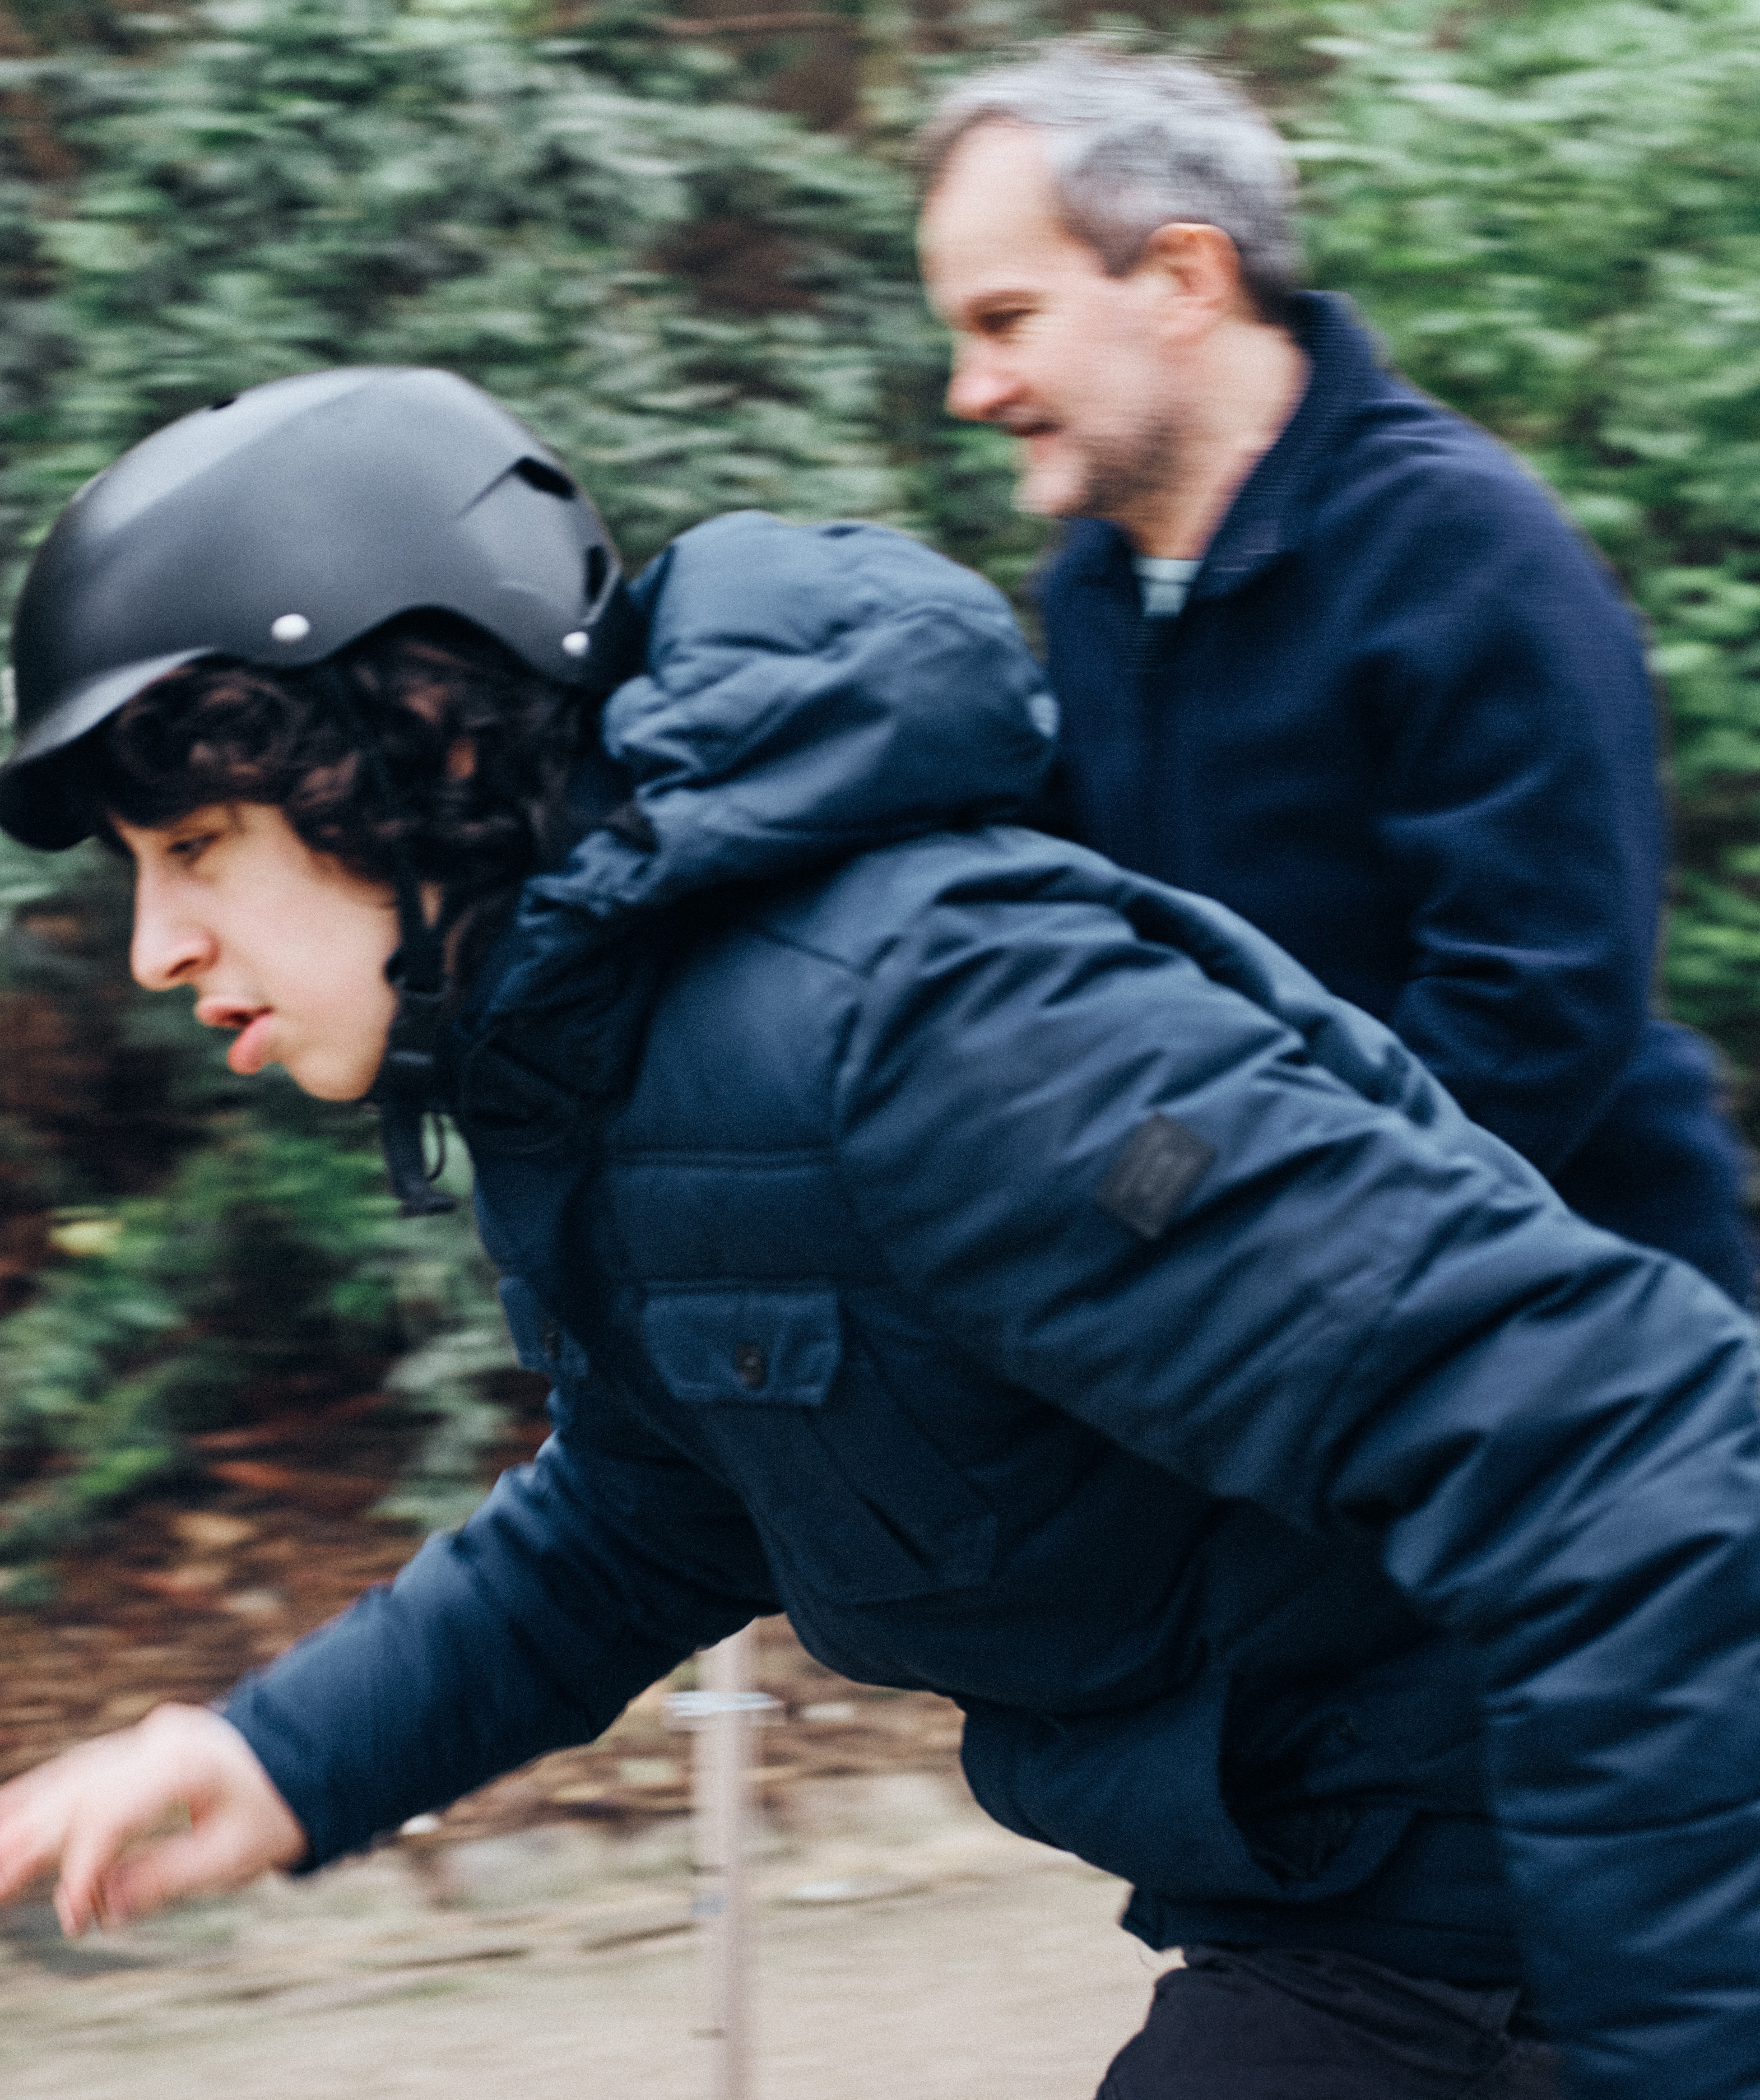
1550 208
1554 215
701 305
270 1270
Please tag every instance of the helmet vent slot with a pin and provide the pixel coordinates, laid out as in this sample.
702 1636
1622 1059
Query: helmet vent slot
538 474
599 568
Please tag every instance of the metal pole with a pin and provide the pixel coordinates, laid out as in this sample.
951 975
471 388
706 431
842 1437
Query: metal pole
723 1714
722 1891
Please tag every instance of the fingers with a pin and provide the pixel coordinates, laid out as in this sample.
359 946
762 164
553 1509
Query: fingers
39 1811
239 1827
124 1798
190 1863
85 1809
29 1840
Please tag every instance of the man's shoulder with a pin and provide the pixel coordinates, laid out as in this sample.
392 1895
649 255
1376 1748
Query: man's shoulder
1370 463
1402 458
1361 418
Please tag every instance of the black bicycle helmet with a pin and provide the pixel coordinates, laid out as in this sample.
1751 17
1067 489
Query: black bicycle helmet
280 526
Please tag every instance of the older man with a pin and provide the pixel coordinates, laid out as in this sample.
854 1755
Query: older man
1325 651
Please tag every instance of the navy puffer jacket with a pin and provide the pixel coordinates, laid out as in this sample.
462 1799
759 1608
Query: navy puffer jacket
1032 1281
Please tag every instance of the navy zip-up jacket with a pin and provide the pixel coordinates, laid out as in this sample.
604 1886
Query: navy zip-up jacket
1403 725
1032 1281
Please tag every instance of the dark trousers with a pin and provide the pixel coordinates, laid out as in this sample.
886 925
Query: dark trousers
1277 2024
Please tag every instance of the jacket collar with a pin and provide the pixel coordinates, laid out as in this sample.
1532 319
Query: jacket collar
1346 373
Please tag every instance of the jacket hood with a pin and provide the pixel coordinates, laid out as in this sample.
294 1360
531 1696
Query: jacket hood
810 692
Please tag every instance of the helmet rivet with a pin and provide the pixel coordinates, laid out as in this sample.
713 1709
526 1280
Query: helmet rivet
291 627
578 643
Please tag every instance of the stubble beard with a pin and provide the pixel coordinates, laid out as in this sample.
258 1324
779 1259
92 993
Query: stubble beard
1117 476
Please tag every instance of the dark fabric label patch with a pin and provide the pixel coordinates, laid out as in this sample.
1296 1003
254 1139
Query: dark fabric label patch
1160 1166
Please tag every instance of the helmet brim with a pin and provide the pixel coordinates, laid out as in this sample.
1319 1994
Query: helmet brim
36 808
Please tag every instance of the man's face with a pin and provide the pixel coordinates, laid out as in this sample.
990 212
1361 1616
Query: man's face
1046 344
283 944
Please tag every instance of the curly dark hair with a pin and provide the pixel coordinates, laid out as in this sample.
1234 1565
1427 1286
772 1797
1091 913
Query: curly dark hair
480 749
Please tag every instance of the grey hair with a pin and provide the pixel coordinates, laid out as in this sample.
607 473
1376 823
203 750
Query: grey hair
1135 143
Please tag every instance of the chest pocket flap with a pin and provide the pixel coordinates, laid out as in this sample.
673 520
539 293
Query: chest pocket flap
769 1347
855 1502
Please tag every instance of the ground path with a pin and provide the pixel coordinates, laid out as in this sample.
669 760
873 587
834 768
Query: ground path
905 1947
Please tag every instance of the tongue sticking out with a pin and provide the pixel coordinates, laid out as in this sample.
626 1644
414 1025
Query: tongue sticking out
250 1047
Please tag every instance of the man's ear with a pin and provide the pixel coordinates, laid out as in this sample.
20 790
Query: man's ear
1201 270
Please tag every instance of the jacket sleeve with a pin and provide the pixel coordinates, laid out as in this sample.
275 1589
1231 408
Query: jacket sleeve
584 1578
1288 1294
1517 806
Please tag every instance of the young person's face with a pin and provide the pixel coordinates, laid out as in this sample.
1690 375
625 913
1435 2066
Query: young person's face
282 944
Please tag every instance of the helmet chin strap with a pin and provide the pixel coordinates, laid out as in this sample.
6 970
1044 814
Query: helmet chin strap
403 1090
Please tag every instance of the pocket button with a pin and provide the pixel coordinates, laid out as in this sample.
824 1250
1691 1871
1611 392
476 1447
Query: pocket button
752 1365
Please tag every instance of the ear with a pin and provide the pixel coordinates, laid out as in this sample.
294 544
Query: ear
1200 269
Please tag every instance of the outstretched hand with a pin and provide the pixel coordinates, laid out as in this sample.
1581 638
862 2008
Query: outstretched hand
81 1810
